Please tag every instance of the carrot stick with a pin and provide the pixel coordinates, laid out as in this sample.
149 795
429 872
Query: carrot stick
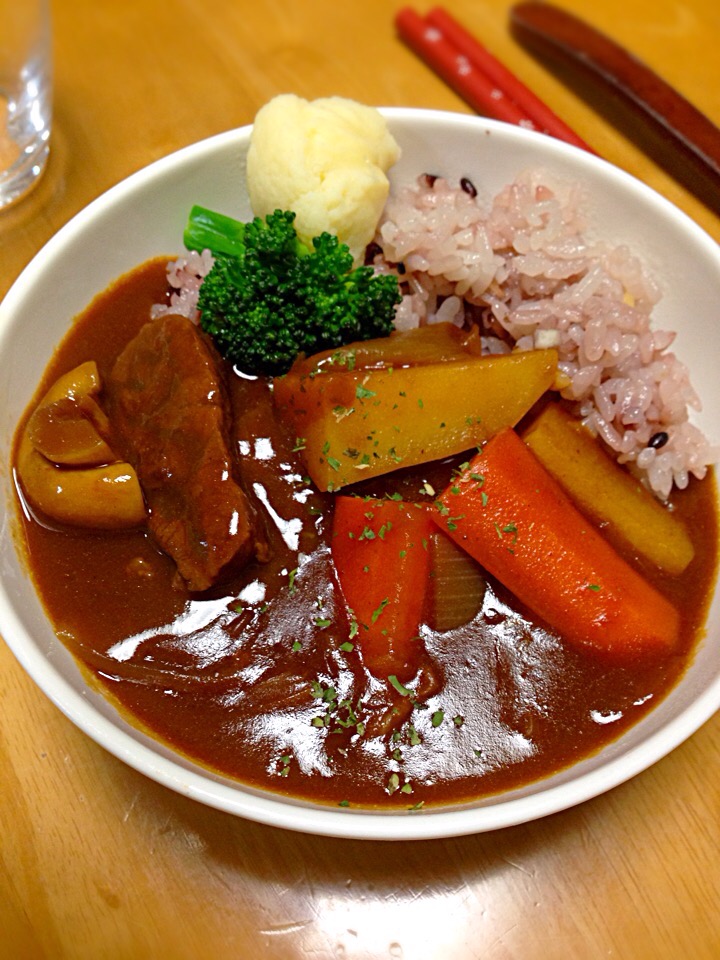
380 550
513 517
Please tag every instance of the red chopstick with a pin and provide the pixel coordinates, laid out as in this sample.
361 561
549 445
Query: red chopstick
429 43
476 75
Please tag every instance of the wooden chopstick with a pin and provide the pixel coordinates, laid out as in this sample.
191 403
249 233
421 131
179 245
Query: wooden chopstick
476 75
549 30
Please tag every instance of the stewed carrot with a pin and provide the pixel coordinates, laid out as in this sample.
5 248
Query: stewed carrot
512 516
381 553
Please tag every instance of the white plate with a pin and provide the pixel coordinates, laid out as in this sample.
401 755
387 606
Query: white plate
144 216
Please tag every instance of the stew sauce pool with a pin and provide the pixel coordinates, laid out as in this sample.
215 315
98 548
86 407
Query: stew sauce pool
258 679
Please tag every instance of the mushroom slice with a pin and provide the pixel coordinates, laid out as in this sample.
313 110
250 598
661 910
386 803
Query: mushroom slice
67 469
64 431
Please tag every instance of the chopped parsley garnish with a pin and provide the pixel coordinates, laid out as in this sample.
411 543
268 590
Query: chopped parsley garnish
413 735
376 613
401 689
320 692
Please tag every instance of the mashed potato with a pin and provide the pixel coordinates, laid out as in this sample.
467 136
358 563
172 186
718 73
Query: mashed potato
326 160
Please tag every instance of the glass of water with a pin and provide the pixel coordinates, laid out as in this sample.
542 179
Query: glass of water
25 95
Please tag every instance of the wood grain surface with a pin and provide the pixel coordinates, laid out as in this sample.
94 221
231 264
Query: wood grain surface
98 862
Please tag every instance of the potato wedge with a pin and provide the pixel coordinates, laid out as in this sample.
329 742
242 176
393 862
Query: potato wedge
354 424
433 343
606 492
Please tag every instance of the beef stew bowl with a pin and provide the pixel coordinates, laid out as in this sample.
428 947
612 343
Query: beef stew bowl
254 695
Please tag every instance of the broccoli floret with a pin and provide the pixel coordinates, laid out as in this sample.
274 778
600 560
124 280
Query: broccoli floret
269 297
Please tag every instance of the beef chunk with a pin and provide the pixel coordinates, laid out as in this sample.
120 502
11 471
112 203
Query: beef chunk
168 402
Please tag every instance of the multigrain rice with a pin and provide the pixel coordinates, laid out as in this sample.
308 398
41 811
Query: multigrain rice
185 276
521 266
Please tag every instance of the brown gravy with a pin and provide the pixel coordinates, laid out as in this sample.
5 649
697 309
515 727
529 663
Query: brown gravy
245 681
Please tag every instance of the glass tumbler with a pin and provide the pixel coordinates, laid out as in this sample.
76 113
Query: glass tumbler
25 95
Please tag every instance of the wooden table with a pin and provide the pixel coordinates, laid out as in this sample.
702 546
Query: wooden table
98 862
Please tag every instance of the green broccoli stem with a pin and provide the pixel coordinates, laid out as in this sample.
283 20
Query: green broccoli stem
208 230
